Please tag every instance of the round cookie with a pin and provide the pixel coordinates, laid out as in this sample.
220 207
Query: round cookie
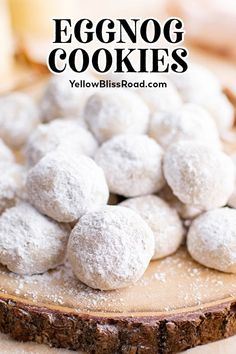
200 86
30 243
219 107
12 179
191 122
5 153
61 100
199 175
185 211
197 80
18 117
109 113
211 239
63 134
161 99
64 187
132 165
162 219
110 248
232 199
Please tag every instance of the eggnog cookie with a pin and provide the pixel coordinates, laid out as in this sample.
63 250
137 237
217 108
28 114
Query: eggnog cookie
12 178
110 248
132 165
18 117
211 239
109 113
30 243
191 122
61 100
64 187
62 134
199 175
163 220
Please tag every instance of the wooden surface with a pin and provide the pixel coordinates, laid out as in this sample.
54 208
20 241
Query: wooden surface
177 304
8 345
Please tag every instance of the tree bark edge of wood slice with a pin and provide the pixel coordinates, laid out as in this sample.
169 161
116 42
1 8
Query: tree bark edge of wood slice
107 335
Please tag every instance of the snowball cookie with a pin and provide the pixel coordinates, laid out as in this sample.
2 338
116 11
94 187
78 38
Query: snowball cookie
220 108
191 122
185 211
30 243
109 113
232 200
132 165
211 239
195 81
161 99
199 175
64 187
110 248
66 134
60 99
163 220
18 117
222 111
200 86
11 183
5 153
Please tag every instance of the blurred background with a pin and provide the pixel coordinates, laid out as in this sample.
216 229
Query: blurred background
26 31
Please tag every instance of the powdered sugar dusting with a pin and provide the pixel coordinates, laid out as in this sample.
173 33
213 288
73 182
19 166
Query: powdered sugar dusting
64 189
62 134
109 114
132 164
110 248
212 239
30 242
169 284
199 175
5 153
191 122
15 132
163 220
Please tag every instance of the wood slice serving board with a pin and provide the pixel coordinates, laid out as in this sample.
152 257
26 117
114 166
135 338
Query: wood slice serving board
177 304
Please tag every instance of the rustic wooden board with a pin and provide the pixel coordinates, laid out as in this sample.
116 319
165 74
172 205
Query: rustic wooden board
9 345
176 305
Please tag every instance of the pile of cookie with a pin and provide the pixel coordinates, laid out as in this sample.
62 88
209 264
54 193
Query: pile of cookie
112 179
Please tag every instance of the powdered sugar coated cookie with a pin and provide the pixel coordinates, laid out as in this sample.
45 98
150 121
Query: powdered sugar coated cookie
64 187
111 113
61 100
18 117
162 219
191 122
211 239
12 178
199 175
110 248
5 153
132 165
161 99
30 243
63 134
